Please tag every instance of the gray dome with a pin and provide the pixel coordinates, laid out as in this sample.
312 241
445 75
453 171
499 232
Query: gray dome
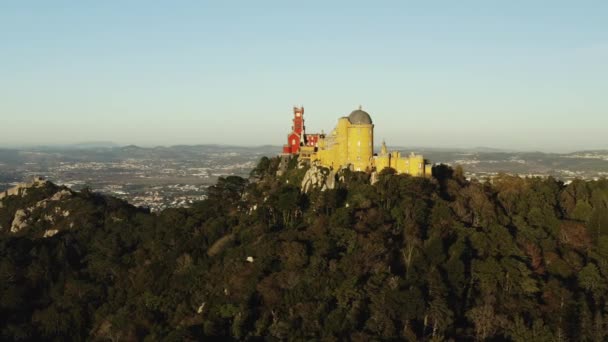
359 117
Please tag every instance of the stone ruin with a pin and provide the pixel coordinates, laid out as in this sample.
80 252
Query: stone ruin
21 188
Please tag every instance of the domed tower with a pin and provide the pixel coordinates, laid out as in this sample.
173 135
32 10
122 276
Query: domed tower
360 143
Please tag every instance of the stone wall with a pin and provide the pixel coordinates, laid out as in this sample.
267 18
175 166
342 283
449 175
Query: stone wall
21 188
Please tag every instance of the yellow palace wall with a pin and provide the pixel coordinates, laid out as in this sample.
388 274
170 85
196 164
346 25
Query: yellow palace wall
350 144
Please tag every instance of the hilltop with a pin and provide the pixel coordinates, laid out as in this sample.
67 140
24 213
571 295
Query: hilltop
404 258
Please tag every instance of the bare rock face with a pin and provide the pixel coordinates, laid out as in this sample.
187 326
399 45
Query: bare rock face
59 195
49 218
50 232
374 178
23 217
318 178
19 221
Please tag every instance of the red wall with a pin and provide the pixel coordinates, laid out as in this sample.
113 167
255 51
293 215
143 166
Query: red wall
293 140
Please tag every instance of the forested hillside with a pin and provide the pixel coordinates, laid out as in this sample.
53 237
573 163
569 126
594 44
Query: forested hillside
405 258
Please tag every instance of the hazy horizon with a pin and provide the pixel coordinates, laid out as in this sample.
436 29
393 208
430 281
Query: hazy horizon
515 76
110 144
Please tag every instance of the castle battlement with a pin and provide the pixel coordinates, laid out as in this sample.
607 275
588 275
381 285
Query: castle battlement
21 188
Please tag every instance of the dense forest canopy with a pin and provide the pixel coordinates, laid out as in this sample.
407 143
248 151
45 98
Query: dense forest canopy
522 259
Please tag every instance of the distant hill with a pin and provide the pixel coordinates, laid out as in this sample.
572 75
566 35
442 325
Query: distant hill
94 144
451 149
75 146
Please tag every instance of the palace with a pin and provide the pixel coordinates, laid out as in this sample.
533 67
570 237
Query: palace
350 144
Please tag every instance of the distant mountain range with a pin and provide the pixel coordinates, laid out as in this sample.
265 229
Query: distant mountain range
131 147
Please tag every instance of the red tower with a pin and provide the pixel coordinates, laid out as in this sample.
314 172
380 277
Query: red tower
296 138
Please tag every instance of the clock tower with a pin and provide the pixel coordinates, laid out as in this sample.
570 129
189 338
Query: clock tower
296 138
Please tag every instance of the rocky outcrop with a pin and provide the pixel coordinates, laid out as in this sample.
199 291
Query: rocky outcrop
318 177
58 196
50 232
22 218
374 178
302 163
20 221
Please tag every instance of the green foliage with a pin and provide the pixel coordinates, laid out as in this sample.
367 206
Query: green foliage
521 259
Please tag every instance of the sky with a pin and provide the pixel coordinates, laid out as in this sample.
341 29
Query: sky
523 75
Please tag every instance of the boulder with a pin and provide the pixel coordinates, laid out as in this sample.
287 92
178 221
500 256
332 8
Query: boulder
59 195
19 221
318 177
50 232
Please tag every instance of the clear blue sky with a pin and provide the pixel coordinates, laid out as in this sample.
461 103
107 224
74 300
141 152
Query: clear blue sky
529 75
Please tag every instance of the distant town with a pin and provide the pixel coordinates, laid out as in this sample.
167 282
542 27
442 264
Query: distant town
177 176
156 178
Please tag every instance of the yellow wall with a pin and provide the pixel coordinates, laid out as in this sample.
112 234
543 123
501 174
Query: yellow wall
411 165
382 162
341 148
347 145
353 145
360 147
